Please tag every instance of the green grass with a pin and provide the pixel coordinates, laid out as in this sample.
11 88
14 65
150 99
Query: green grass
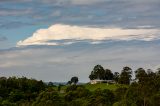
103 86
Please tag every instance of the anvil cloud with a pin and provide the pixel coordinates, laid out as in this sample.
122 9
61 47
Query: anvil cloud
68 32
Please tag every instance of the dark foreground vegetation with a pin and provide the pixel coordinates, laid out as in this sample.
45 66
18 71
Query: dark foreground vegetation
143 91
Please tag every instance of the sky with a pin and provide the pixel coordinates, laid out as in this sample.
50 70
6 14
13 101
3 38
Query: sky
53 40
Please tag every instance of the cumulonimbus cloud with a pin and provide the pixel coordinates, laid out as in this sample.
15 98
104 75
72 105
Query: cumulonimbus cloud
68 32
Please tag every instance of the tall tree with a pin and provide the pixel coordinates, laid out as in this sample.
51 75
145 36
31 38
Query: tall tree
108 75
74 80
125 76
116 77
97 73
141 75
158 71
100 73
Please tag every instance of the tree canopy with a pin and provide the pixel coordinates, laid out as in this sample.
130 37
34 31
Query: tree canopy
100 73
143 91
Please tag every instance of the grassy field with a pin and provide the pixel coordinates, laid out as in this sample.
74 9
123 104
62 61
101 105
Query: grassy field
102 86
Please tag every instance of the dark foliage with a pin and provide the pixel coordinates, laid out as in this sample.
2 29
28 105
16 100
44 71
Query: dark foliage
100 73
144 91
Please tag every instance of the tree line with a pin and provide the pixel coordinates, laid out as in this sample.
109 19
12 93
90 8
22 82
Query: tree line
143 91
124 77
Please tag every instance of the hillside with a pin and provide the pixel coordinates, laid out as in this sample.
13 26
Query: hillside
93 87
103 86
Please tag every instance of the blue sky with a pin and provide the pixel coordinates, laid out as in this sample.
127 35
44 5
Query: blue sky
68 54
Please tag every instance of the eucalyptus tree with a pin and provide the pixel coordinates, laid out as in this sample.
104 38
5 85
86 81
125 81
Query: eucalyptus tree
125 76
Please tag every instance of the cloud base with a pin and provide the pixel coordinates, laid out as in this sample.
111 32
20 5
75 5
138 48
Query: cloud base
70 33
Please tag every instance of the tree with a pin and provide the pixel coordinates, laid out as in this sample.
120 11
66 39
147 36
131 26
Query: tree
92 76
155 99
49 97
158 71
16 95
125 76
74 80
120 93
141 75
50 84
100 73
102 98
116 77
69 83
74 92
108 75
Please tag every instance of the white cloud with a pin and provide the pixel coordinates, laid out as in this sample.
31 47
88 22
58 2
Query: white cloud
63 32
